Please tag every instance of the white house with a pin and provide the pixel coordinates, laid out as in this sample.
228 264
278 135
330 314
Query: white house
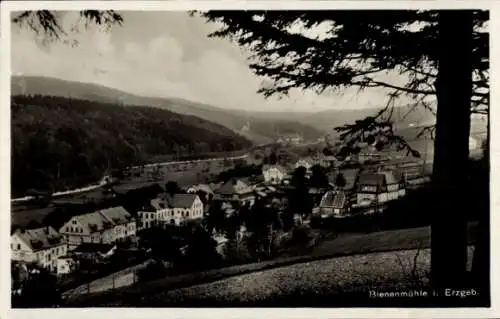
273 174
104 226
334 204
42 246
171 210
379 187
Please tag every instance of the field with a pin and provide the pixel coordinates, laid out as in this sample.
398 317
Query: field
317 283
184 175
145 293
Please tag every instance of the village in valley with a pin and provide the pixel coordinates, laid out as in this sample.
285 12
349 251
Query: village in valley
270 202
158 161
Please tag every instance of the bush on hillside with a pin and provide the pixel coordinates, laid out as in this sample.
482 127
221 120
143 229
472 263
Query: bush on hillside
154 270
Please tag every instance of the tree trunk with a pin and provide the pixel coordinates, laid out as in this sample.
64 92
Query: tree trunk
451 151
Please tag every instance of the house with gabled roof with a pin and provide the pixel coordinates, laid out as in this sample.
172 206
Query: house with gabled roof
168 209
235 190
104 226
334 204
379 187
41 246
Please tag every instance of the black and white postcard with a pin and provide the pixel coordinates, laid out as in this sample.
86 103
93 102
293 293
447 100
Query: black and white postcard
171 156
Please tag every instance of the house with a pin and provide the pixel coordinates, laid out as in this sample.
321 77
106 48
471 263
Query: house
379 187
334 203
235 190
103 226
41 246
169 209
411 169
273 174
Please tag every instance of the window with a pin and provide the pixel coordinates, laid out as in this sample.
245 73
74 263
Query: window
187 213
67 229
19 246
73 222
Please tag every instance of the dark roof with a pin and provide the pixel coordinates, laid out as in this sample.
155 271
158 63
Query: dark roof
93 248
40 238
380 178
175 201
372 179
118 215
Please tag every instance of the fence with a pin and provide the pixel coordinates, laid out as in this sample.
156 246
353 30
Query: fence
122 278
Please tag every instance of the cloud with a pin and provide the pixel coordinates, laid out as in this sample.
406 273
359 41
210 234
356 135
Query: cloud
187 66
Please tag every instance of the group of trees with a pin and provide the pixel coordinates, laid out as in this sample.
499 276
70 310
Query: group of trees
442 54
40 290
239 171
59 142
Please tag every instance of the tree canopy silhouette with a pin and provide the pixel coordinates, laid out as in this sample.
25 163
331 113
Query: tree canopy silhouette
340 180
442 55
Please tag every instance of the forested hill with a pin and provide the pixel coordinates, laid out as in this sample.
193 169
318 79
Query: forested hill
59 142
264 126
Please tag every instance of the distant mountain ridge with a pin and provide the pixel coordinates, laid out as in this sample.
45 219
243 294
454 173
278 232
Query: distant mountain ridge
264 127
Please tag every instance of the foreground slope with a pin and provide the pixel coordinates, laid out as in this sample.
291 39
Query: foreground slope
59 142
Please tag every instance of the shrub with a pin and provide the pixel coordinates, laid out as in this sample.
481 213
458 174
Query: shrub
154 270
301 235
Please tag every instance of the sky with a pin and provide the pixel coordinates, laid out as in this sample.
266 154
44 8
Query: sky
167 54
